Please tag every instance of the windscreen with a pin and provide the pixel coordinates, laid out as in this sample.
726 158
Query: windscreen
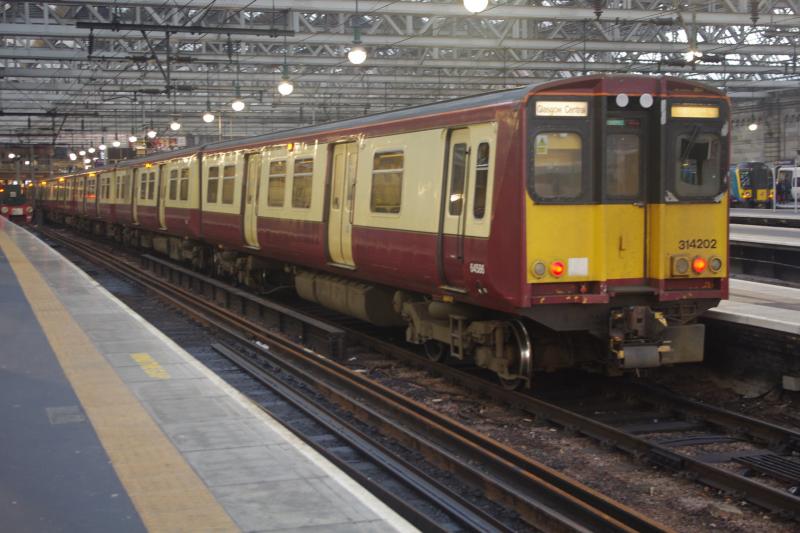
12 195
755 175
697 165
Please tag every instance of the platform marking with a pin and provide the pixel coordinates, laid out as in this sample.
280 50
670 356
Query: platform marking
150 366
165 490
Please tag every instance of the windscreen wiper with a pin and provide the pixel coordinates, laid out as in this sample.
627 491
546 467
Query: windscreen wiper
691 142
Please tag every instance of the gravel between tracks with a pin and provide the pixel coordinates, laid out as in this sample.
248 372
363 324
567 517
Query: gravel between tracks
667 497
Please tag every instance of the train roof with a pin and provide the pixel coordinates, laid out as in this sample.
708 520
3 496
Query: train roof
496 98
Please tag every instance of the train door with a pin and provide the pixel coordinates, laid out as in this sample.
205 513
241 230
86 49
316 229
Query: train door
251 193
342 200
162 196
454 206
626 163
138 188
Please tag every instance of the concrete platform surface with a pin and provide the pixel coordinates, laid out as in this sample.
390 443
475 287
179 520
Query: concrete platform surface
783 211
110 426
761 305
765 235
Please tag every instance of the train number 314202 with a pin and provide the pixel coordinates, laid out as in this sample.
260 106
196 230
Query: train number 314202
687 244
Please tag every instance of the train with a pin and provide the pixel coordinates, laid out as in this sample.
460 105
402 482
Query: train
751 185
14 202
579 223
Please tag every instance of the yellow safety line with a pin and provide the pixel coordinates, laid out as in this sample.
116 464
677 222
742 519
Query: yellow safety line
166 492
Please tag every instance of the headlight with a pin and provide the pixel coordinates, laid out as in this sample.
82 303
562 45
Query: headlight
538 269
4 209
747 194
715 264
29 209
680 265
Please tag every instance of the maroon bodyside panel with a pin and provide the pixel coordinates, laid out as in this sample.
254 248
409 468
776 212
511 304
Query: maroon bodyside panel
403 259
223 228
148 217
297 241
182 222
124 214
506 252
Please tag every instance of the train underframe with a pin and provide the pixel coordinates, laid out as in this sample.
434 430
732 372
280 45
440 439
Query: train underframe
631 333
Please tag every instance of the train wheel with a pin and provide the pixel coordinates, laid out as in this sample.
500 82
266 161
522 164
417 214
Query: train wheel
436 350
523 354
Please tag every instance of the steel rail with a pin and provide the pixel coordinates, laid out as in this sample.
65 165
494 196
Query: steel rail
541 495
772 499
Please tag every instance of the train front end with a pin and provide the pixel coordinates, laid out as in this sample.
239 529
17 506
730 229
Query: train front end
14 202
626 218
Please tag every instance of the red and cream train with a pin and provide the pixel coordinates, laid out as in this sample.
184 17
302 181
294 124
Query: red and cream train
581 222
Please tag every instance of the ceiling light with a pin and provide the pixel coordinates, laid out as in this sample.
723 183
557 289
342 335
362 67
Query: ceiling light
87 161
133 138
151 133
208 117
91 150
174 126
82 153
475 6
73 156
115 143
753 126
12 155
285 87
102 147
357 54
237 104
27 163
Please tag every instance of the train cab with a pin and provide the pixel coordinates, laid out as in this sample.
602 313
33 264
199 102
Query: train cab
14 202
751 185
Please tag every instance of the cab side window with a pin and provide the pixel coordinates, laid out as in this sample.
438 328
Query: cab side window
481 181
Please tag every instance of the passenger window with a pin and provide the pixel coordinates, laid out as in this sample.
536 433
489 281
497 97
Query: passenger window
173 184
697 170
277 183
228 183
622 165
557 165
184 192
301 182
213 185
457 178
481 180
151 186
387 182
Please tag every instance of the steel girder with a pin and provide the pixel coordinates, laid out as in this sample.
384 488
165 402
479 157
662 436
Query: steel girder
418 52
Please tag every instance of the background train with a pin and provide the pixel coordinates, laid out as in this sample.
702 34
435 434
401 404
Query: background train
581 222
14 202
751 185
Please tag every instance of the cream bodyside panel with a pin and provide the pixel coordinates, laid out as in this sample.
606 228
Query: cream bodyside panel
222 160
319 152
705 224
421 189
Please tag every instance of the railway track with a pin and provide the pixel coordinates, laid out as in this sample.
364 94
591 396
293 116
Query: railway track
541 496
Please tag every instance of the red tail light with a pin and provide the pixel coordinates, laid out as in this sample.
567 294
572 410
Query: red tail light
699 265
557 268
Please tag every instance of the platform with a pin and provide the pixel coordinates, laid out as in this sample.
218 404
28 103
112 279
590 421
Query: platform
110 426
761 305
765 235
783 216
